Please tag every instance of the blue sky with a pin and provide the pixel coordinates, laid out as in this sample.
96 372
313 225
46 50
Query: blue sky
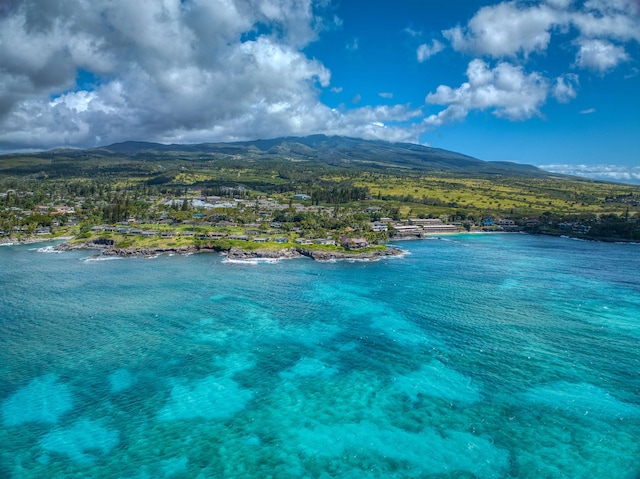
548 82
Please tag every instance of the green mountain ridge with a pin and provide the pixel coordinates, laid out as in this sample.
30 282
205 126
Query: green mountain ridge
146 158
335 151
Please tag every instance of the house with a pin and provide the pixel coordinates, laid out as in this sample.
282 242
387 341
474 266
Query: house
260 239
505 222
43 231
62 210
301 197
327 241
280 239
353 243
303 241
216 234
580 228
239 237
378 226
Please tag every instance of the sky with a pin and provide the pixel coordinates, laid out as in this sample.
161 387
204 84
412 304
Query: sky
549 82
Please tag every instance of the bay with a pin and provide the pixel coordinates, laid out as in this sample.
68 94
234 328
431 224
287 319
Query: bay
473 356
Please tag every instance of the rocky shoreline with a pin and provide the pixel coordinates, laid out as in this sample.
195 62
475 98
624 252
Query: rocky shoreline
235 254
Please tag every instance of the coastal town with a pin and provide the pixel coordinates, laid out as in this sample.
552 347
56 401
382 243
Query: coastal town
128 221
239 221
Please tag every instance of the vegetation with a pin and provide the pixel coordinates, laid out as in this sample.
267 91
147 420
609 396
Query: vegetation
223 195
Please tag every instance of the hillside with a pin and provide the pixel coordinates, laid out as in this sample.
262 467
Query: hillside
342 152
336 151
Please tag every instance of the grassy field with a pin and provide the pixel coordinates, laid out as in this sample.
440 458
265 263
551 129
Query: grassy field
505 195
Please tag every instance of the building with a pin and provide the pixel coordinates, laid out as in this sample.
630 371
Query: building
425 221
353 243
378 226
326 241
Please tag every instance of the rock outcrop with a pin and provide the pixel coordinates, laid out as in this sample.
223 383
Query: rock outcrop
284 253
319 255
235 253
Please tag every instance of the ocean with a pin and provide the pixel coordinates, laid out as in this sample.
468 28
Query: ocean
472 356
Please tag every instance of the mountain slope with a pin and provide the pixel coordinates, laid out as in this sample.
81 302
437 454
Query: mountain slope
335 151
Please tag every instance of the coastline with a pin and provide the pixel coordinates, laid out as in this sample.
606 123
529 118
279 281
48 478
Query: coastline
8 241
235 253
106 248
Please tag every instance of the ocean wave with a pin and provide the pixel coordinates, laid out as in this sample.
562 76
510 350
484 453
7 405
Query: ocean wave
252 260
91 259
45 249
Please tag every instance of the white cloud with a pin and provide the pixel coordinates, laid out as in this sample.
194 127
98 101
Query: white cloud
506 29
564 89
425 51
600 55
506 90
620 173
170 70
617 19
513 28
588 111
411 32
385 94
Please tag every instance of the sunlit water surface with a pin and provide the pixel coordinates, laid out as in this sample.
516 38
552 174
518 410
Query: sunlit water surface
473 356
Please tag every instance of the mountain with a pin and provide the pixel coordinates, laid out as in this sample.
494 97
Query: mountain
334 150
136 158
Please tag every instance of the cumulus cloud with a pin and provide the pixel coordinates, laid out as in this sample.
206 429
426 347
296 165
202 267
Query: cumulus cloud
518 28
515 30
623 174
600 55
505 29
506 90
564 89
616 19
425 51
167 70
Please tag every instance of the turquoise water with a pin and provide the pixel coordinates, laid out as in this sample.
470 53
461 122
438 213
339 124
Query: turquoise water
474 356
